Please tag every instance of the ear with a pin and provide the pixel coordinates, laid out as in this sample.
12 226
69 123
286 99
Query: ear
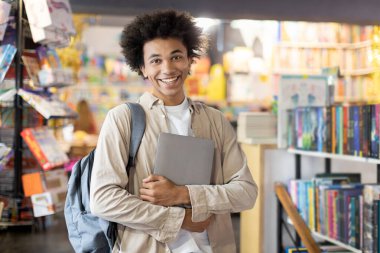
142 68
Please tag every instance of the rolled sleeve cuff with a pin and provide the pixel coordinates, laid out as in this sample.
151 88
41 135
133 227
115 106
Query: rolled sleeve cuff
172 224
198 201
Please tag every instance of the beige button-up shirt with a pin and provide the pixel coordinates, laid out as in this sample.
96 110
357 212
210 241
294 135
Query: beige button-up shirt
145 227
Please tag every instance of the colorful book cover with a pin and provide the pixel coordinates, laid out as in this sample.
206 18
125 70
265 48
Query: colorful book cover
351 239
311 206
339 130
375 225
362 116
377 132
345 130
32 66
48 107
370 194
5 9
327 141
44 147
374 138
364 129
32 184
42 204
333 129
348 195
321 129
7 53
350 132
356 130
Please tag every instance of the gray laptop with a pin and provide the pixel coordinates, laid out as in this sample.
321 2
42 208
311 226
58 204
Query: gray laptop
185 160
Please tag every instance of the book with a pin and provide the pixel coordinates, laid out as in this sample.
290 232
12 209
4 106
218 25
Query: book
7 52
42 204
5 9
298 91
5 155
32 184
50 21
32 66
56 184
44 147
47 106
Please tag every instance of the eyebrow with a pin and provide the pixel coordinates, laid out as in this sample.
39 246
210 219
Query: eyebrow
158 55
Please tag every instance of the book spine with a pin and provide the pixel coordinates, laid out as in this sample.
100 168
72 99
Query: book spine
345 129
333 129
328 128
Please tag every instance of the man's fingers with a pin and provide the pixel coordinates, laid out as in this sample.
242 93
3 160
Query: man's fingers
147 198
146 192
153 178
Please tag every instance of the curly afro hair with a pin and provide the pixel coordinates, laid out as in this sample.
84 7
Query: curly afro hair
160 24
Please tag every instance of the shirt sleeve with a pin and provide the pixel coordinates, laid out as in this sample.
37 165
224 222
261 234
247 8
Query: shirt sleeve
109 198
239 190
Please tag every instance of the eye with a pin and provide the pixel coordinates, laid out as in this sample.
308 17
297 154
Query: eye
177 57
155 61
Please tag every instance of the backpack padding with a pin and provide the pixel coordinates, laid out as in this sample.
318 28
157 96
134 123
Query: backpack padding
137 131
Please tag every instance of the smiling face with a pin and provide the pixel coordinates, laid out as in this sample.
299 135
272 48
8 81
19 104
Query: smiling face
166 66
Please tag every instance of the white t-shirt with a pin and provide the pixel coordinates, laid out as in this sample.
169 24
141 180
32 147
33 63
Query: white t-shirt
186 242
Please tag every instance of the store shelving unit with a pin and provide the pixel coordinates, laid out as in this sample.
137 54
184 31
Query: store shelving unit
352 58
327 157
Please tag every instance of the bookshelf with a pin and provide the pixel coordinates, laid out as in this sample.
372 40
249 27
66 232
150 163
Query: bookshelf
338 243
334 156
327 157
307 58
23 111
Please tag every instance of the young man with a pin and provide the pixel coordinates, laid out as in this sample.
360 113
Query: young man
161 47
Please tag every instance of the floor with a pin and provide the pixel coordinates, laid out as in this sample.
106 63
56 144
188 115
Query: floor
53 239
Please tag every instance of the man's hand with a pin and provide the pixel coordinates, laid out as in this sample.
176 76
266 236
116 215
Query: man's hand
188 225
159 190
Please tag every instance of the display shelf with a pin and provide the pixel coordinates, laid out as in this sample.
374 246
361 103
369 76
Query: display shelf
308 58
18 223
338 243
352 72
329 239
334 156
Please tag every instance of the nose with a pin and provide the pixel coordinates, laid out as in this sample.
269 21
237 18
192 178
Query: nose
167 67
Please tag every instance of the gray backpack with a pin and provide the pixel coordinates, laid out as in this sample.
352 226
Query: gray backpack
89 233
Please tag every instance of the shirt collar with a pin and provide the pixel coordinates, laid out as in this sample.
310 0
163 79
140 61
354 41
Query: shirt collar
150 100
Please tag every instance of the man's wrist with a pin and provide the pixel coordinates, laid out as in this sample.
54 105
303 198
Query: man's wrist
184 196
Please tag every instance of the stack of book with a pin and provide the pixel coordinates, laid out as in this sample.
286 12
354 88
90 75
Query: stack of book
257 127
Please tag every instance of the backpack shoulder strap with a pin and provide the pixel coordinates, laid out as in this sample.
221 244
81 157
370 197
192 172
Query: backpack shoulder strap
137 130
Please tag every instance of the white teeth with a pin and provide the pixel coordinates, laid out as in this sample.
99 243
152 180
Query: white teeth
169 80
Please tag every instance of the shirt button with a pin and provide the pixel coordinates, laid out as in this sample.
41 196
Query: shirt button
163 116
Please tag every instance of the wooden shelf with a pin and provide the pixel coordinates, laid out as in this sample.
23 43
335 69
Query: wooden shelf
334 156
338 243
329 239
